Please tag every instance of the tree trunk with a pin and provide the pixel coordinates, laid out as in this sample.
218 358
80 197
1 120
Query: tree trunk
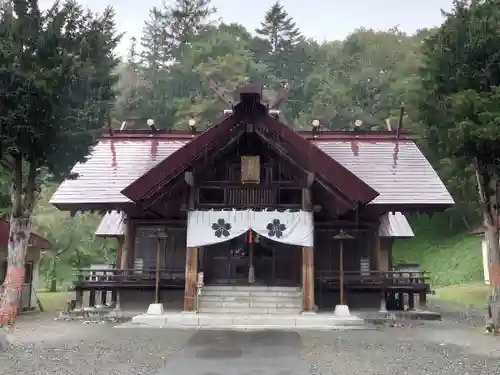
23 200
487 196
53 277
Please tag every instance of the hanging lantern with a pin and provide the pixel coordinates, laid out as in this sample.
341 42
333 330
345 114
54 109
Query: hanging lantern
250 237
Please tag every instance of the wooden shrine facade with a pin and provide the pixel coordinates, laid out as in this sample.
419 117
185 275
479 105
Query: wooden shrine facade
151 182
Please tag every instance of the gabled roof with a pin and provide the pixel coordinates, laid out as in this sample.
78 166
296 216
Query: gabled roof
112 225
174 164
397 169
395 224
303 152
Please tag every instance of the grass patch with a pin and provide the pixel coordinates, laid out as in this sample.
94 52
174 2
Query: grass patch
54 301
473 294
451 258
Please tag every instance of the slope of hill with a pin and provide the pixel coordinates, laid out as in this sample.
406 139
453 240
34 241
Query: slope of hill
451 257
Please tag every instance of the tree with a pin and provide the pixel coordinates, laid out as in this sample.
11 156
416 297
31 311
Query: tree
282 35
460 103
217 56
155 51
72 240
56 90
187 19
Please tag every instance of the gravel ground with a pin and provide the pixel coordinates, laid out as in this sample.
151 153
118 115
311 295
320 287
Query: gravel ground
44 346
60 347
437 348
456 313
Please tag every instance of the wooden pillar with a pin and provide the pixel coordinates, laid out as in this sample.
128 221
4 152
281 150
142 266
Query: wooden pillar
376 251
92 298
125 255
104 295
308 254
377 266
308 278
191 275
191 254
79 299
120 241
125 260
422 301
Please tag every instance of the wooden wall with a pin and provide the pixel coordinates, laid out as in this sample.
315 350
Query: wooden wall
327 251
172 248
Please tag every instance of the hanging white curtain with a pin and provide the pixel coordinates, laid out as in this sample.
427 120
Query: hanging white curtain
293 228
210 227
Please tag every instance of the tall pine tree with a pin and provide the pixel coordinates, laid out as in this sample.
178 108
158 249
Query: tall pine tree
281 34
187 18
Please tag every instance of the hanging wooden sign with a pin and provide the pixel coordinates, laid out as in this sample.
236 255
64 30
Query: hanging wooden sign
250 169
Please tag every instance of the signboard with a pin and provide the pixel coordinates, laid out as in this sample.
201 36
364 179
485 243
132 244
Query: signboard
250 169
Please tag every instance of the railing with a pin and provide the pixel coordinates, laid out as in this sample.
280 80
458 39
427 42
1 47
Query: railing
386 279
129 277
251 196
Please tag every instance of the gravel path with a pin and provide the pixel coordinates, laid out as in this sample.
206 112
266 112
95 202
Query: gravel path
44 346
60 347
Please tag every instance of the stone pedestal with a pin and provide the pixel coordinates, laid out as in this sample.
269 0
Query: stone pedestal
155 309
342 311
383 306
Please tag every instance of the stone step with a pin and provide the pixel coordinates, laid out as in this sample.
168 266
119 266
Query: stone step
234 293
252 288
255 321
258 304
249 310
270 299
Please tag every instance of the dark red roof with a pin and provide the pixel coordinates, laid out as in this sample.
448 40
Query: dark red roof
395 168
36 241
175 163
228 130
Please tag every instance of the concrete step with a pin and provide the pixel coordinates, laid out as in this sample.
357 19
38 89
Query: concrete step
270 299
234 293
249 310
252 288
258 304
247 322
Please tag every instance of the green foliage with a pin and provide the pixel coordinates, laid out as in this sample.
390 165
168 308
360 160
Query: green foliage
281 37
450 255
73 242
55 82
459 99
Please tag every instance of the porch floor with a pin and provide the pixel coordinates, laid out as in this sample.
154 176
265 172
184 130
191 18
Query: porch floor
319 321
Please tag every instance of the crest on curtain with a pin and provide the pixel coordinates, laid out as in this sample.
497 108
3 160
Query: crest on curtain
221 228
275 228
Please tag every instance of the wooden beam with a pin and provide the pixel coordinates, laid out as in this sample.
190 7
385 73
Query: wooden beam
307 262
347 203
188 177
191 275
308 278
309 179
161 194
307 200
376 251
281 97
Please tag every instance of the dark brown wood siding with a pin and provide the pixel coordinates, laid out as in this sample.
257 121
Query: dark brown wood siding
172 248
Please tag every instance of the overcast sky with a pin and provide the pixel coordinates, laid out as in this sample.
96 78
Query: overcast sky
319 19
